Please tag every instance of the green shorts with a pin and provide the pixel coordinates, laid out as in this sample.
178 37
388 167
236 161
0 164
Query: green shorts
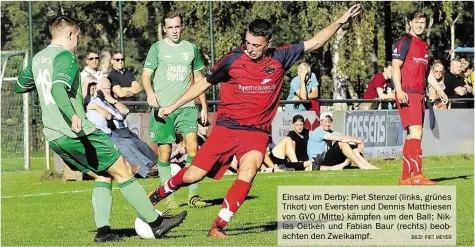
94 152
185 120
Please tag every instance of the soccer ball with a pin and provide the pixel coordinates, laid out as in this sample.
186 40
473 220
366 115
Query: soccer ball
143 229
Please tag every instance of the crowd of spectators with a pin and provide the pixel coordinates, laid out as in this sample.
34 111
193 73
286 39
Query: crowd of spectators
301 149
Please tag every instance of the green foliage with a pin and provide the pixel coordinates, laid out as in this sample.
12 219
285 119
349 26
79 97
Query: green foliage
293 22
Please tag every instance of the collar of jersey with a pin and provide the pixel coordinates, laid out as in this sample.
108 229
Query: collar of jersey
173 44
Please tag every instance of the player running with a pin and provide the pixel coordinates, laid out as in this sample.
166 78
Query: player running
249 96
54 73
409 66
174 63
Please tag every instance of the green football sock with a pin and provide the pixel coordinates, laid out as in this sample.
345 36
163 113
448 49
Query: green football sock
102 203
193 188
135 195
165 172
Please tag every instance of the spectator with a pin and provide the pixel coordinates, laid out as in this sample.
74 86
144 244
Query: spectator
331 150
124 85
469 78
437 71
293 147
467 69
111 120
455 87
302 87
376 88
91 70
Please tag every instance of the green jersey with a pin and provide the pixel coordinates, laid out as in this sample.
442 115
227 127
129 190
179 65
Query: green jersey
173 65
52 65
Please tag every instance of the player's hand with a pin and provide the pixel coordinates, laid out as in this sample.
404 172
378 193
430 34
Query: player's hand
350 13
152 100
165 111
76 124
402 97
443 97
204 115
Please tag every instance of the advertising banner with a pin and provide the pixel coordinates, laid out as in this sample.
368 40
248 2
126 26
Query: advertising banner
381 131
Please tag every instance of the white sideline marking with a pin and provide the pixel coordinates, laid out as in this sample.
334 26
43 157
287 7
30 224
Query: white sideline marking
232 177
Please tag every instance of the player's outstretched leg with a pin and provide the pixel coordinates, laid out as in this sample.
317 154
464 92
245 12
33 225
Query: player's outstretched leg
135 195
184 177
237 194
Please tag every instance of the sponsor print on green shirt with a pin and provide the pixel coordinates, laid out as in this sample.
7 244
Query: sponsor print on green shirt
52 65
172 66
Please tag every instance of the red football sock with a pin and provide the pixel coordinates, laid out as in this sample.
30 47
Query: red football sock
173 184
406 164
232 201
416 155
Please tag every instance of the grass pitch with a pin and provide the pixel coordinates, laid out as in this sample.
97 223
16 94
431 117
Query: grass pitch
45 211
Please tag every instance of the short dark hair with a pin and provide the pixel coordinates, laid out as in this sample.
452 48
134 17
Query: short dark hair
89 51
60 22
116 52
388 63
416 14
260 28
170 15
298 118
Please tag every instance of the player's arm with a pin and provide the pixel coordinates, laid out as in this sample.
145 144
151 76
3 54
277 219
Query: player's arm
324 35
64 73
192 93
25 82
197 75
151 63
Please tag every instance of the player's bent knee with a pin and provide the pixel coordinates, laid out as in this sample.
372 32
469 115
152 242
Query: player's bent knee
193 175
103 179
120 171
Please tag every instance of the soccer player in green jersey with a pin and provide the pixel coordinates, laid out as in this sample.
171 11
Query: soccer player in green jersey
54 73
174 63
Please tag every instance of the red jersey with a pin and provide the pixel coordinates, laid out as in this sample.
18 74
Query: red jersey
413 52
377 81
250 91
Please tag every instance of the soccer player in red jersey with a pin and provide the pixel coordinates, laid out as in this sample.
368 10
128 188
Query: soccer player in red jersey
410 62
251 78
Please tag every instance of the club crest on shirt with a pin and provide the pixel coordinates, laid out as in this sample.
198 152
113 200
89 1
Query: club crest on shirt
269 69
185 55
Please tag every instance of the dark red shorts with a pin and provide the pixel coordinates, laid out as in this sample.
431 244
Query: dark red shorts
216 154
412 113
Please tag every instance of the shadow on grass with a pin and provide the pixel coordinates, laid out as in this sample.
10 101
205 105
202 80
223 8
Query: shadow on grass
219 201
130 232
451 178
250 228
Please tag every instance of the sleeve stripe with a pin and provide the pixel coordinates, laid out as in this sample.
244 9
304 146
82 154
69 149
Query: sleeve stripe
148 69
19 84
199 69
69 86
